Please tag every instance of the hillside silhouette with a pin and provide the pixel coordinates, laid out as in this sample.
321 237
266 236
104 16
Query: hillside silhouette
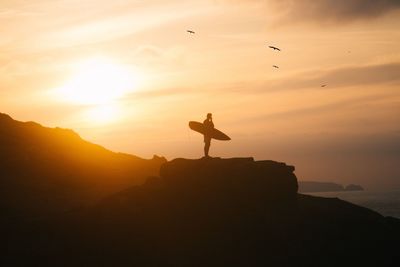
188 212
51 170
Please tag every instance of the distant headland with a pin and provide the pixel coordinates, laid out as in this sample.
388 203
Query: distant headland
314 187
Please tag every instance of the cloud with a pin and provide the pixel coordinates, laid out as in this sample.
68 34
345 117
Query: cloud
148 51
75 24
151 94
311 80
335 78
333 10
365 75
322 108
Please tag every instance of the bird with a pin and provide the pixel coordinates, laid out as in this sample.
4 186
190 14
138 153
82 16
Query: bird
323 85
273 47
190 31
275 66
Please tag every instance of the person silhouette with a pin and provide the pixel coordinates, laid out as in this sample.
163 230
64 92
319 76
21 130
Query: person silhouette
208 127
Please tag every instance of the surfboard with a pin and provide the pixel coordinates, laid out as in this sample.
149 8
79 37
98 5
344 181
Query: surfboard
214 134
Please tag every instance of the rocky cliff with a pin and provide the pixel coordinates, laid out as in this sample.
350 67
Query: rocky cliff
236 212
205 212
270 179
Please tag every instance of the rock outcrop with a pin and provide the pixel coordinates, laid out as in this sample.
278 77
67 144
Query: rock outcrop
236 212
269 179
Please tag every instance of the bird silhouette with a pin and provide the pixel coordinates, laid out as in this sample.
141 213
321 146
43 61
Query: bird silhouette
190 31
323 85
275 66
274 47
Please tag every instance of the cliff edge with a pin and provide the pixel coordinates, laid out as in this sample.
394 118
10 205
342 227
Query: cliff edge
236 212
271 179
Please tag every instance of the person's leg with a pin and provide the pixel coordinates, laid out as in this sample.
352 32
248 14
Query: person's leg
206 147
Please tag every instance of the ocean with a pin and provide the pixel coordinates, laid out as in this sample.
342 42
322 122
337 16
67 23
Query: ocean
386 203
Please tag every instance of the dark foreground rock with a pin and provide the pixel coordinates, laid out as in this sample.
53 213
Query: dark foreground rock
236 175
214 212
235 212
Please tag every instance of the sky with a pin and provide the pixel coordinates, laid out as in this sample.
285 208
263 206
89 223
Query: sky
128 75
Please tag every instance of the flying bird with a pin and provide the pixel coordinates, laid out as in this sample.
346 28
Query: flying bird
275 66
273 47
190 31
323 85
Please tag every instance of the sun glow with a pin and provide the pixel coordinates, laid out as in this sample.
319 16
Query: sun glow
103 114
98 82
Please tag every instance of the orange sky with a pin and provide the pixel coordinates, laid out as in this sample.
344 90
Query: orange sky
128 76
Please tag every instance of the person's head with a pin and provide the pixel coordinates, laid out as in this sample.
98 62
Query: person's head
209 116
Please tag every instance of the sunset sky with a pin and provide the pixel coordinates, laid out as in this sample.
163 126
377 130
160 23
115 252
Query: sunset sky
127 75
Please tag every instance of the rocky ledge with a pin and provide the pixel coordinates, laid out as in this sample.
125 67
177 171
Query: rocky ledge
270 179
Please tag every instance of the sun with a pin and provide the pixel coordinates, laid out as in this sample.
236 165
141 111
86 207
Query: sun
98 82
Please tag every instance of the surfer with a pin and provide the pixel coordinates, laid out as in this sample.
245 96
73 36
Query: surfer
208 126
208 131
